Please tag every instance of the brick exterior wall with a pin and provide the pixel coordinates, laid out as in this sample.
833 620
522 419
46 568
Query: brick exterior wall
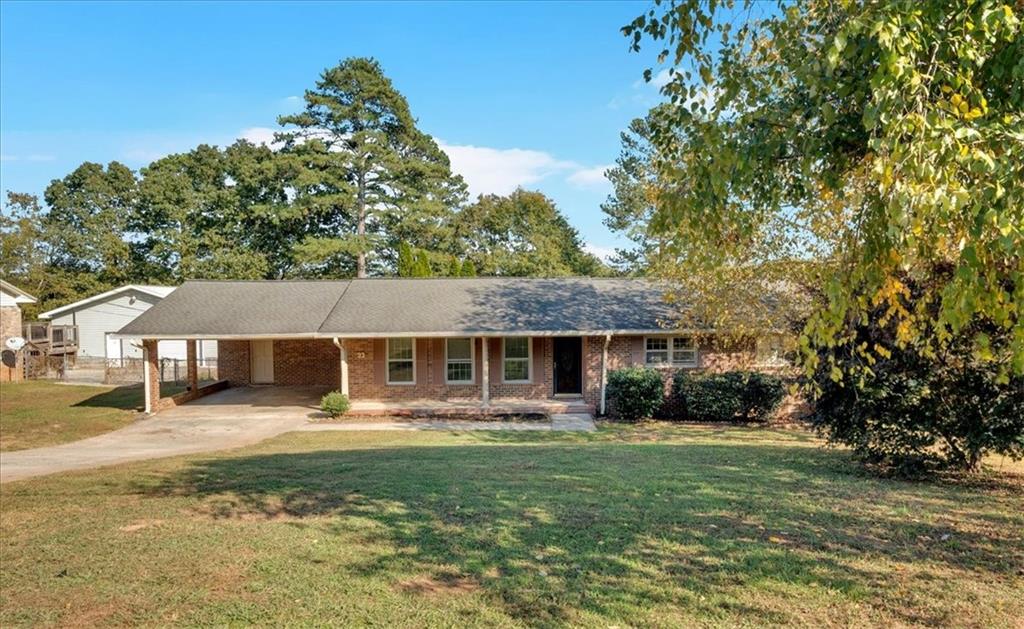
317 362
11 369
233 362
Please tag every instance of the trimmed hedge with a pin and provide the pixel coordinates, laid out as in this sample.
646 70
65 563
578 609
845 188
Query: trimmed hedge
635 393
730 396
334 403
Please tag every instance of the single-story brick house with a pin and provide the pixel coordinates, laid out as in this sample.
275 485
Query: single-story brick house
400 340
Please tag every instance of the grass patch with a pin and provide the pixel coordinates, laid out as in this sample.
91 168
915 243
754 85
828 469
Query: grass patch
632 525
39 413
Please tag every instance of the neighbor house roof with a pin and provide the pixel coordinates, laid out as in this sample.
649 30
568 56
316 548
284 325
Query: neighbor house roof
405 307
156 291
20 296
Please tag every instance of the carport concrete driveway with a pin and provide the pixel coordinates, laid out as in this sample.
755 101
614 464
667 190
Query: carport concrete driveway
231 418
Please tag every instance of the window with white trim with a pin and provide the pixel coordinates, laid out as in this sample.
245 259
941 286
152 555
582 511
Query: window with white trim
677 351
516 354
401 361
458 363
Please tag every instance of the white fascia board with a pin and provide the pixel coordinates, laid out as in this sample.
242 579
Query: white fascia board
49 314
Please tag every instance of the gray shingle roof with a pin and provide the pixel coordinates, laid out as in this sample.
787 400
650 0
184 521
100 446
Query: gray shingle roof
424 307
238 308
438 306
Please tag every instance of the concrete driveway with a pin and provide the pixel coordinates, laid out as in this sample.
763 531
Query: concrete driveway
228 419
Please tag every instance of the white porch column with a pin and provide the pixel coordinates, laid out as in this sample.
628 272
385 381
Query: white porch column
604 371
146 384
344 365
485 377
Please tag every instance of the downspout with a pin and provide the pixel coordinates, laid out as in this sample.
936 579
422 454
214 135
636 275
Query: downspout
343 371
604 372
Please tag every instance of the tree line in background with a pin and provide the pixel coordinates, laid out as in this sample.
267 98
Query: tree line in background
349 188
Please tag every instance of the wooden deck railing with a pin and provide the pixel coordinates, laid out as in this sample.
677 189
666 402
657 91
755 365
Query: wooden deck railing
55 339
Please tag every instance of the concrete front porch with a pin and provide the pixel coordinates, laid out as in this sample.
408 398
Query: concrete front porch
454 408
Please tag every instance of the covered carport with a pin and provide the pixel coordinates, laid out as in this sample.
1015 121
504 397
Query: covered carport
266 333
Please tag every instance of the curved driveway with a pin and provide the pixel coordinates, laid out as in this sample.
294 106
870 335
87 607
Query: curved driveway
231 418
228 419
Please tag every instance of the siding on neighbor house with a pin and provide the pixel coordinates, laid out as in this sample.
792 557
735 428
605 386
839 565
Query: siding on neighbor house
317 362
96 320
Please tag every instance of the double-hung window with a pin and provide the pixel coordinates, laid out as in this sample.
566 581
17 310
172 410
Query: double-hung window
459 361
677 351
516 359
401 361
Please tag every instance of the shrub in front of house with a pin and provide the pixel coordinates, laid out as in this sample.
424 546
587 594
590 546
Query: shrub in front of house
334 404
635 393
728 397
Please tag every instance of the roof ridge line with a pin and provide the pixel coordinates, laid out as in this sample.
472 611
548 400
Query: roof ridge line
331 311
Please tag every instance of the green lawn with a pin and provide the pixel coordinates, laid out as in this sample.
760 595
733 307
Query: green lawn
649 526
39 413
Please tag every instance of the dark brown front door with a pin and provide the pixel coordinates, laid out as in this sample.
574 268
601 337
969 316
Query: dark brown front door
568 365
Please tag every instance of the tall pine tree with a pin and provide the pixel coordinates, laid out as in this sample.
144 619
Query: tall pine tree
364 169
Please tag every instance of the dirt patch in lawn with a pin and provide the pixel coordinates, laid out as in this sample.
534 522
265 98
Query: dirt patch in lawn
444 584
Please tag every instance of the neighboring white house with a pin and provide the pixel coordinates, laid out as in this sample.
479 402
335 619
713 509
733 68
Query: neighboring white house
100 316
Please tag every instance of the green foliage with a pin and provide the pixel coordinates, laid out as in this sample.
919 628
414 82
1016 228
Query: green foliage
335 404
468 269
359 163
635 393
727 397
91 210
880 140
522 234
628 210
405 263
454 268
421 265
908 411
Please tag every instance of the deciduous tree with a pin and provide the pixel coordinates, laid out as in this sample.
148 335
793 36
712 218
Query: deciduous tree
882 140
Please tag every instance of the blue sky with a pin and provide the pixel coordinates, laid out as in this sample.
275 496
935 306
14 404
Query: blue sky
531 94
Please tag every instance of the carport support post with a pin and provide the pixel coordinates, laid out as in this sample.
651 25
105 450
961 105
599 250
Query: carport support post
151 375
190 365
604 373
343 369
485 377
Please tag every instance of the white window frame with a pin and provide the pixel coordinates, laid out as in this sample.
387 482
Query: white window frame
388 360
529 361
472 360
670 349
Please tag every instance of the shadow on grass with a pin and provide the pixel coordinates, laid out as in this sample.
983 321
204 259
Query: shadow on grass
612 529
127 397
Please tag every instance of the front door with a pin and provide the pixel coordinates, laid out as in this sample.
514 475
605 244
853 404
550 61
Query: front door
262 353
568 356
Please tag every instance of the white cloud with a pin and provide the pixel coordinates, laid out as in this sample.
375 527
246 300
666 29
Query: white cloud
500 171
590 177
602 252
259 135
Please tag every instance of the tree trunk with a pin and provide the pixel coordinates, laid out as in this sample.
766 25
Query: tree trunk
361 228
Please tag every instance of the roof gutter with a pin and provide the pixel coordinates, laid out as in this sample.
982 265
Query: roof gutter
406 334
